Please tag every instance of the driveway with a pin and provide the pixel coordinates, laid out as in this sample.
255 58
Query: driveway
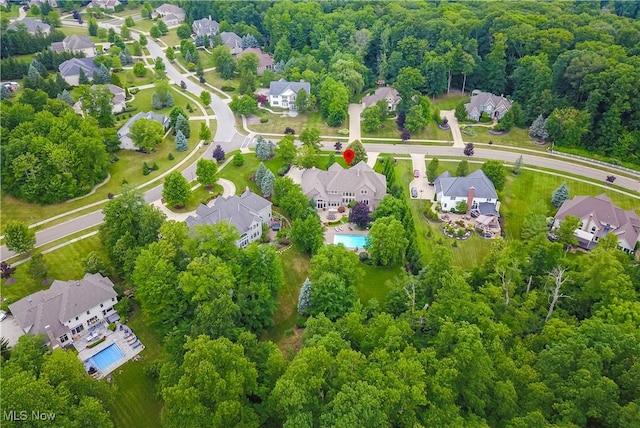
422 184
355 110
455 127
11 330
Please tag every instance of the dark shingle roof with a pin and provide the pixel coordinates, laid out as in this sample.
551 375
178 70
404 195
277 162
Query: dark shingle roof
72 66
278 87
33 25
459 186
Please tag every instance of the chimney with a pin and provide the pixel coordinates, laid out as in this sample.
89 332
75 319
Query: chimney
470 195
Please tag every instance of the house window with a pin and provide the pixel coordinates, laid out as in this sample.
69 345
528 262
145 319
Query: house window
452 198
445 206
113 299
77 329
593 229
64 338
363 192
88 312
76 318
488 199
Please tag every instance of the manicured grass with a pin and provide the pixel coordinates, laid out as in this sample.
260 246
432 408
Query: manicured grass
199 196
144 25
142 101
130 79
128 11
448 102
14 11
517 137
70 31
136 403
390 130
64 264
376 282
277 124
240 175
213 78
171 38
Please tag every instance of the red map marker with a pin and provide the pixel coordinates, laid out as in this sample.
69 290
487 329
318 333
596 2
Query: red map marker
348 155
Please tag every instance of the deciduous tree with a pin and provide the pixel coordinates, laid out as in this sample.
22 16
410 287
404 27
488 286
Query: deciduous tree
360 214
19 237
207 172
495 171
176 190
387 242
146 134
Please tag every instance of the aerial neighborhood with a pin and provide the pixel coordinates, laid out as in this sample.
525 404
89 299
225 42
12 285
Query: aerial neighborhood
287 214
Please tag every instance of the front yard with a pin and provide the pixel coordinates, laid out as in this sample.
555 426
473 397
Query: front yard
277 124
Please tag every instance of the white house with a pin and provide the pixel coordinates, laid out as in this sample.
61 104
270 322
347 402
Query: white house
171 14
67 309
76 44
599 217
104 4
495 106
247 213
283 94
124 133
339 186
70 70
475 190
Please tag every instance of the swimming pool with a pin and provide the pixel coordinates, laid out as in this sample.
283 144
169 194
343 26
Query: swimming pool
106 357
350 241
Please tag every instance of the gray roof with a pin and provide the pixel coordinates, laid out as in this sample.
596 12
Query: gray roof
62 302
240 212
33 25
459 186
116 91
316 182
205 26
385 92
264 59
604 212
125 139
71 67
167 8
277 88
76 42
480 99
232 40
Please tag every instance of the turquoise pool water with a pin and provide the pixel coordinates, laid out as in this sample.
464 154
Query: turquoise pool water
350 241
106 357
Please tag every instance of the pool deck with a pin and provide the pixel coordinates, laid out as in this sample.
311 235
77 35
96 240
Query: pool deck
117 337
347 229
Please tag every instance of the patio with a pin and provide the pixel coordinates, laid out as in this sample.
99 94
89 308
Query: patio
489 225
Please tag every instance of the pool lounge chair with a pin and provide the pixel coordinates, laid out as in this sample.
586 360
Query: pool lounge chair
131 340
136 344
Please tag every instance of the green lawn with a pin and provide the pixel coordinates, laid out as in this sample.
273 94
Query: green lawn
171 38
144 25
64 263
240 175
448 102
277 124
517 137
13 12
136 402
199 196
131 79
390 130
376 282
213 78
142 101
128 11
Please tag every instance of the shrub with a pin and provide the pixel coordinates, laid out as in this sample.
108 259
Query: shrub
134 91
155 166
112 326
228 88
341 209
123 307
111 196
170 157
288 333
288 130
97 342
145 169
364 256
238 160
283 171
301 322
484 117
455 244
264 119
344 132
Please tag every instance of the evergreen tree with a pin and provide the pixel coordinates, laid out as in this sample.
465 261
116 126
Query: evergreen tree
181 142
5 93
169 100
156 102
304 298
432 170
538 128
463 168
264 148
82 78
249 41
517 166
267 183
461 111
560 195
218 153
260 173
182 124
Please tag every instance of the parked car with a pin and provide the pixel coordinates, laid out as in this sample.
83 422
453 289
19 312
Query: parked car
552 237
414 192
416 173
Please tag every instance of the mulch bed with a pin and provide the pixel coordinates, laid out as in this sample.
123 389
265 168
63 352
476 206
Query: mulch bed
10 281
492 132
47 282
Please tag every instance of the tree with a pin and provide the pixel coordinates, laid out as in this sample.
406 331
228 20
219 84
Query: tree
155 32
238 159
538 128
207 172
267 183
146 134
66 97
308 233
245 104
184 31
360 214
568 126
95 263
416 118
205 97
223 61
517 166
311 137
142 40
170 53
432 170
181 142
162 27
495 171
82 78
336 260
567 232
19 237
129 22
205 133
331 296
304 297
559 278
371 119
387 241
182 125
260 173
37 267
463 168
408 83
139 69
93 27
303 102
461 111
97 103
218 153
360 152
176 191
264 148
560 195
159 65
306 157
287 149
468 149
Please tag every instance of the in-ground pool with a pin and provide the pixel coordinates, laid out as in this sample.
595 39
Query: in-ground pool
350 241
106 357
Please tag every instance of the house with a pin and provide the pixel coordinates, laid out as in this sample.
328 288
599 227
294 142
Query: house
52 3
67 309
70 69
283 93
475 190
124 133
339 186
247 213
232 41
495 106
599 217
384 93
76 44
32 25
205 26
118 103
265 61
171 14
104 4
